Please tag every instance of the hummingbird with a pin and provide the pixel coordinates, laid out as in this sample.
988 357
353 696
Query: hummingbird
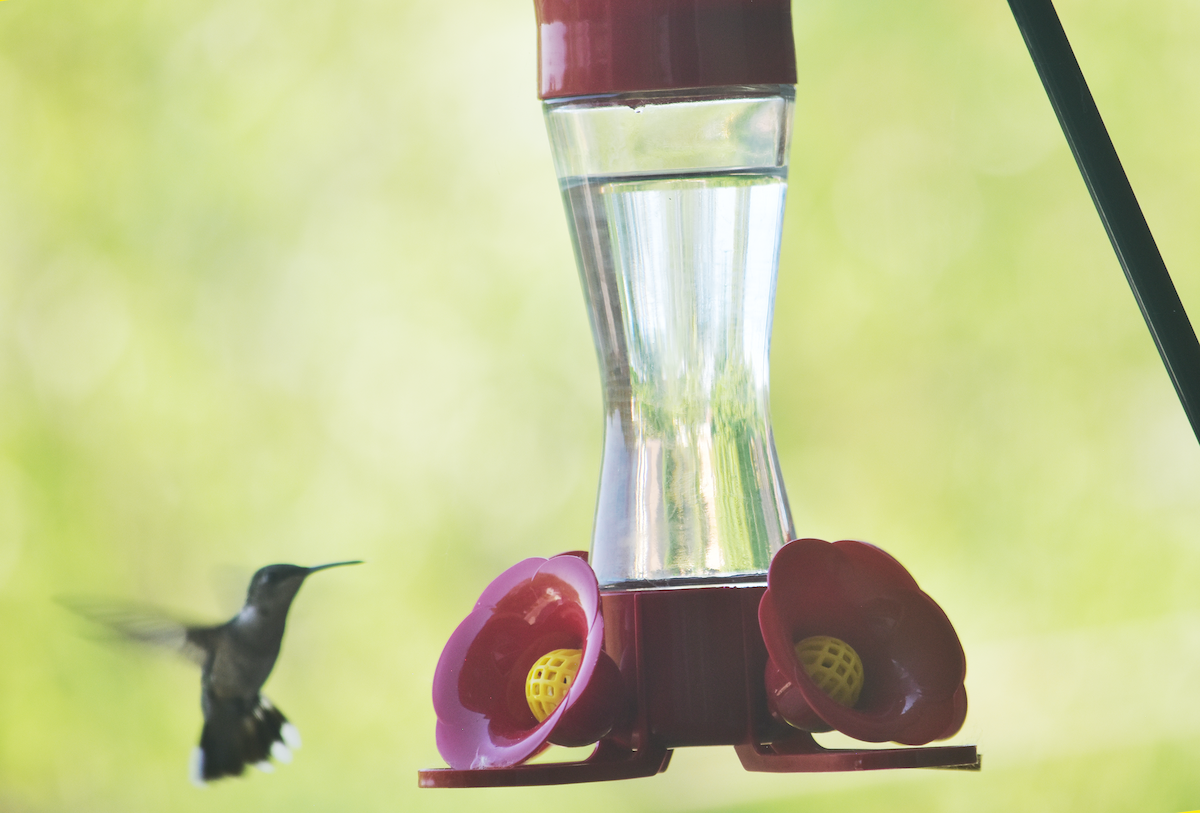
241 726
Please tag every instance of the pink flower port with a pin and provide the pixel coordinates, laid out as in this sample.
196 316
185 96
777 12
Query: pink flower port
534 607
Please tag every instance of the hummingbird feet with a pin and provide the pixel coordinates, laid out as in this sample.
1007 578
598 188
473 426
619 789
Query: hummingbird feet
240 732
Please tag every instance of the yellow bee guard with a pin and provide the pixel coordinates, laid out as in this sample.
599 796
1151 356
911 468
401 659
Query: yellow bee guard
833 665
550 679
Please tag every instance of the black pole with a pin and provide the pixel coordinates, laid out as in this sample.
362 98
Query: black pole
1114 198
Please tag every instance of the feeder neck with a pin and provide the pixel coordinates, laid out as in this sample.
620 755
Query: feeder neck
591 47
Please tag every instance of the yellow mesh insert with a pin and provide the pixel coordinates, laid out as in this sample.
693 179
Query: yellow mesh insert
550 679
833 666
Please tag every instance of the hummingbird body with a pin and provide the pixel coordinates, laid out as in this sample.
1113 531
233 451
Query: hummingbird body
241 727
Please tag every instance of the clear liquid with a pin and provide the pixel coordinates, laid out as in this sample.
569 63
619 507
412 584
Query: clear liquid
679 273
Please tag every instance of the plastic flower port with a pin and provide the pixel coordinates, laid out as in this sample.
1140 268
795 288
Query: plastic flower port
912 662
479 688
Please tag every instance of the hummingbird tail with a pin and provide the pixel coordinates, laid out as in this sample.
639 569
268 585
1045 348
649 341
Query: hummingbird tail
241 732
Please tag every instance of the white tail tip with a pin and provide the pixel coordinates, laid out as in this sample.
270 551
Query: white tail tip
281 752
196 768
291 736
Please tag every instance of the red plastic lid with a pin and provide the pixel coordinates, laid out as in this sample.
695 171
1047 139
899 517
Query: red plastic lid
614 46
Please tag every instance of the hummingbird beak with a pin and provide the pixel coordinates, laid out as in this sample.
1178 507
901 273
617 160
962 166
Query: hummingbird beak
313 570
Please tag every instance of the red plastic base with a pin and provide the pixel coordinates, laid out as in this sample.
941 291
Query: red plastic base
692 661
802 754
607 762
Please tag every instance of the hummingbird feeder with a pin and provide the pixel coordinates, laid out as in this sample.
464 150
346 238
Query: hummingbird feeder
697 618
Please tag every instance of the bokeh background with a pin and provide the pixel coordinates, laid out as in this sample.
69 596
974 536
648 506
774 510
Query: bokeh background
290 282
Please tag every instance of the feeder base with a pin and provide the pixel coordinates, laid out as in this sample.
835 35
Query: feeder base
798 755
693 660
606 763
801 754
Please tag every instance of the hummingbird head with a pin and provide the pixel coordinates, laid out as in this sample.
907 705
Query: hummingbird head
274 586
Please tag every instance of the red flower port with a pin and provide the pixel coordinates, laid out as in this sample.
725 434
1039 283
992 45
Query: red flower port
913 664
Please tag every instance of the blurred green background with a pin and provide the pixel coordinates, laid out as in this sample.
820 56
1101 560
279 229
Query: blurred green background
292 283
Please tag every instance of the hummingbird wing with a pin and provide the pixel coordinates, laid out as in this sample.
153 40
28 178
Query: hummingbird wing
146 625
241 731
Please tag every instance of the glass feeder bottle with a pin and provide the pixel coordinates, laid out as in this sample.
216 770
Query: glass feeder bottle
674 199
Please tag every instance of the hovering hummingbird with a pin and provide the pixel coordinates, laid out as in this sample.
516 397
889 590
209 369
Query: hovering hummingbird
241 726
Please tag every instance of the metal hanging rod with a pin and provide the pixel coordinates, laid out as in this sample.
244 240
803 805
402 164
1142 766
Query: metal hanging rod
1114 198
